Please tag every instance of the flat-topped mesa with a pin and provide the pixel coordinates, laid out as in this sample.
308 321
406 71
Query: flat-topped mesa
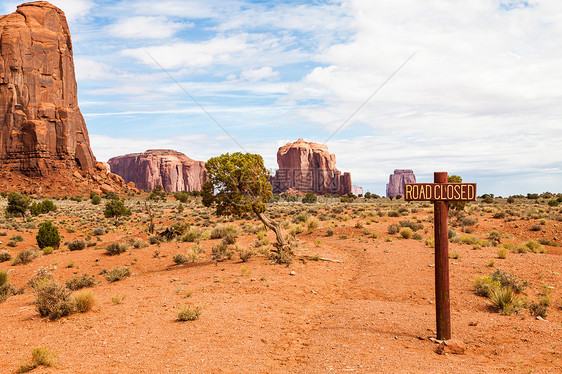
172 170
309 167
396 181
41 127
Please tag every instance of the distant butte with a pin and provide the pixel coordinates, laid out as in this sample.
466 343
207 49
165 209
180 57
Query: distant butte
172 170
309 167
396 181
44 143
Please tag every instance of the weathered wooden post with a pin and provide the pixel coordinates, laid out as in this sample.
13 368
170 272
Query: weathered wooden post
441 192
442 301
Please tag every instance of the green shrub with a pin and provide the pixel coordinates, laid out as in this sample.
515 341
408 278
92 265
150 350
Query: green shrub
48 235
17 204
535 247
53 300
76 245
483 286
189 313
80 281
309 198
48 250
115 209
116 248
430 242
43 207
502 253
116 273
505 300
95 198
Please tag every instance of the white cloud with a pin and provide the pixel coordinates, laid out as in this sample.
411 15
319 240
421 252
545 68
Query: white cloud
265 73
144 27
73 9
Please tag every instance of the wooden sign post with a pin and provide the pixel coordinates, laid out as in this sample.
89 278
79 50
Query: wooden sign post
441 192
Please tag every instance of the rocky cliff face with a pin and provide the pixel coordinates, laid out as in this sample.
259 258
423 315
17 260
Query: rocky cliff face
44 143
41 127
172 170
309 167
396 181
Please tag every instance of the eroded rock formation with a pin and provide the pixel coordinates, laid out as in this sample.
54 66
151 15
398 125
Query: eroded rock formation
172 170
41 127
44 143
309 167
396 181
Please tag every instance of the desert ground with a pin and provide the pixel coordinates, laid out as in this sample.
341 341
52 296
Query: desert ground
357 297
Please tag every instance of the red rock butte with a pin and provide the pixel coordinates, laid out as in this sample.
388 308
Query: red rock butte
396 181
43 136
172 170
309 167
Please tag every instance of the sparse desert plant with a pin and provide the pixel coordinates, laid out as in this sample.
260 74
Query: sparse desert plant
483 286
48 250
180 259
17 238
536 227
25 257
195 251
84 301
430 242
329 232
502 252
138 243
40 356
116 248
393 228
99 231
312 224
41 275
417 236
80 281
221 251
406 232
189 312
118 299
76 245
6 288
53 300
454 255
191 235
5 256
509 280
535 247
95 198
245 254
415 226
505 300
48 235
494 236
116 274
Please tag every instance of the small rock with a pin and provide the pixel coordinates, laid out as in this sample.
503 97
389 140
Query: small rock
293 273
253 279
473 323
452 346
541 319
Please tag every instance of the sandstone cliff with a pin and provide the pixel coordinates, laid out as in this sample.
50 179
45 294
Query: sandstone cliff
309 167
41 127
44 143
172 170
396 181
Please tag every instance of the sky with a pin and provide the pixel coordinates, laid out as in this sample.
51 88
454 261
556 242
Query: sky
473 88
